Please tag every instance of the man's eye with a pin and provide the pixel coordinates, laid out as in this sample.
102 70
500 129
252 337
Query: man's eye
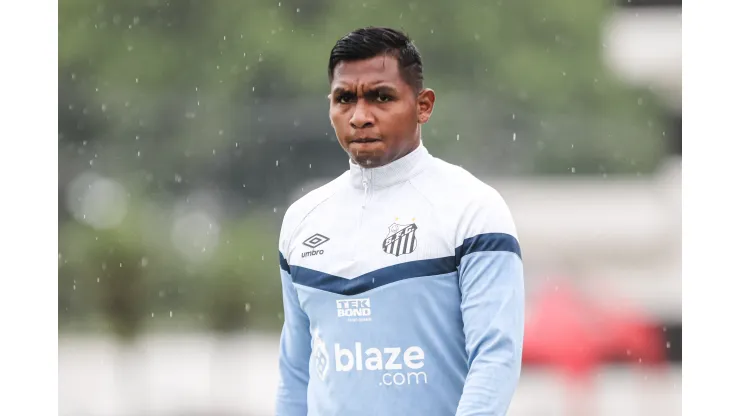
383 98
344 98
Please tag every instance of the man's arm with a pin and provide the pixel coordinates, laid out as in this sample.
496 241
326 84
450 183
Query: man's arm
492 289
295 351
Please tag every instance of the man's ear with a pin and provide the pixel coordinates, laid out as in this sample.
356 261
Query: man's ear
425 105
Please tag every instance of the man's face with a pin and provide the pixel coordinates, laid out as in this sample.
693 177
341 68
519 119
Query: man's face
376 115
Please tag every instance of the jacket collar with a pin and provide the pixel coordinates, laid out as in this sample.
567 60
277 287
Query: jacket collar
398 171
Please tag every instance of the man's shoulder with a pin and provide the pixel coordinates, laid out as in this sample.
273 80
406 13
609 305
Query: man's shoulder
299 209
454 183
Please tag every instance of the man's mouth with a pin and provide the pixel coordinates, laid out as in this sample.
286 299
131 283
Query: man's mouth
364 140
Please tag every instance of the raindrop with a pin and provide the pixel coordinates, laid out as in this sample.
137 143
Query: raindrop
309 166
458 137
144 262
247 307
138 153
136 20
236 144
668 344
477 36
137 80
572 145
137 137
573 170
103 108
120 265
170 314
629 352
152 314
639 101
274 209
298 10
130 48
513 116
214 151
564 73
514 138
263 257
178 178
98 280
277 162
74 287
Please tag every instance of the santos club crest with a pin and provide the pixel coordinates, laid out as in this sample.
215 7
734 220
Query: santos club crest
401 239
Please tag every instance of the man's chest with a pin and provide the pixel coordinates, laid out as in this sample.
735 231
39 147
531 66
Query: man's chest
349 240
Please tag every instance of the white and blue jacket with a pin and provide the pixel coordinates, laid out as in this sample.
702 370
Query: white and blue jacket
403 295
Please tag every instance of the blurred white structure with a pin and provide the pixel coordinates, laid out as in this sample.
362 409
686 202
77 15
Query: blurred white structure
643 46
618 236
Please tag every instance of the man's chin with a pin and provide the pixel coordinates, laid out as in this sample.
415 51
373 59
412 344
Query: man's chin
368 160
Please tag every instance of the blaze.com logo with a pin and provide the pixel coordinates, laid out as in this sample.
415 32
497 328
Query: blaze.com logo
393 364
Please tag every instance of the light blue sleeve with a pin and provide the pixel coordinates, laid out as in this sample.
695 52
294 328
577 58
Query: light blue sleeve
295 351
491 283
491 279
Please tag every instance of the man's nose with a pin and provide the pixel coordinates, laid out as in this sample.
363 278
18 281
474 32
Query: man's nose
362 117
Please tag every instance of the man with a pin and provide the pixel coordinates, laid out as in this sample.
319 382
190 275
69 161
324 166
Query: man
402 278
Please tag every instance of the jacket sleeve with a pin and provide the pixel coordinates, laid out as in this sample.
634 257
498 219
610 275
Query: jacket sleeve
492 306
295 351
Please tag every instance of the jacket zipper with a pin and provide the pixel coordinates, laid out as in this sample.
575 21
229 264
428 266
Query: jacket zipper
365 186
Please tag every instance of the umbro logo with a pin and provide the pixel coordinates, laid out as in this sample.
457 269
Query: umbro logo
313 242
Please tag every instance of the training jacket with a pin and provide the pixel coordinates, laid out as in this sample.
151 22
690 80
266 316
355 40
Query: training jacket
403 295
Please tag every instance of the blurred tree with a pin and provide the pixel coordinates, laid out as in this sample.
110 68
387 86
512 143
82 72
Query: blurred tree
123 288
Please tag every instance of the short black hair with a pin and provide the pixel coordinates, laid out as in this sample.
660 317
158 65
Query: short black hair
369 42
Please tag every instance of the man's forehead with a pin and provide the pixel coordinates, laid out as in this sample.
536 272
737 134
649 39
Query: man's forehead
377 70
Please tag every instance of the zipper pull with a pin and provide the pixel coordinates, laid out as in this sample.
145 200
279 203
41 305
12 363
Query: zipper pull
364 199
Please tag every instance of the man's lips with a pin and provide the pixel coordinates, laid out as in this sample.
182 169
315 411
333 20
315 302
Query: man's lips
364 140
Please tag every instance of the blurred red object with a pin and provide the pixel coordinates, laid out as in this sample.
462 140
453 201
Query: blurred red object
567 331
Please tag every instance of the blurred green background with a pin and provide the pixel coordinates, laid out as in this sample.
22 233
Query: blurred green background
186 128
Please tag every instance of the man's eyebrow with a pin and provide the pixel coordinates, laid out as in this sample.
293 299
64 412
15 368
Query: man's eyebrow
340 90
383 88
378 87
